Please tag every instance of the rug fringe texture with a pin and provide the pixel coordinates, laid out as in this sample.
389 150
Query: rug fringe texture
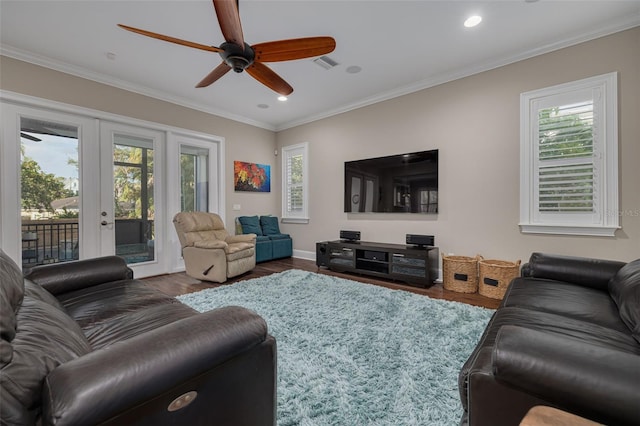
358 354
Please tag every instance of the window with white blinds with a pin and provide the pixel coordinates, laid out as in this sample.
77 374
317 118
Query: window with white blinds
569 160
295 183
566 175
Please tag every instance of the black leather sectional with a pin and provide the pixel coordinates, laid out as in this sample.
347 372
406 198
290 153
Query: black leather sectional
566 335
83 343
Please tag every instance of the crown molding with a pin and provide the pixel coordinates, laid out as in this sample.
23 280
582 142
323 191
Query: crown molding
628 23
625 24
81 72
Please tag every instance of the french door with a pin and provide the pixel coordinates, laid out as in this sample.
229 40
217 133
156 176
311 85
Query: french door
74 187
48 187
131 225
78 183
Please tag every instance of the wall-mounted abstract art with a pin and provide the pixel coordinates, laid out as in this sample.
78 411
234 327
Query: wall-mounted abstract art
251 177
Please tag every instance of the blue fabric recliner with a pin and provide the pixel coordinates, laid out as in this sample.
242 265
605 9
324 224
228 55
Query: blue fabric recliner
270 242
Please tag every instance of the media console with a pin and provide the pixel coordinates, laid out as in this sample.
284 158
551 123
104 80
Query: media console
414 265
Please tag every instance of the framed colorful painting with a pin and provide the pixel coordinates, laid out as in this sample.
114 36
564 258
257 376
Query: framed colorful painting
251 177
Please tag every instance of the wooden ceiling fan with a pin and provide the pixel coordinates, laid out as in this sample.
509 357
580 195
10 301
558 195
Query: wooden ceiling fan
237 55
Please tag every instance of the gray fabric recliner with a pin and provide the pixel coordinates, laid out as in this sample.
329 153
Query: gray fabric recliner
210 253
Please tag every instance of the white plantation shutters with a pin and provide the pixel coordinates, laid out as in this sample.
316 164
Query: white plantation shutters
567 173
295 183
569 158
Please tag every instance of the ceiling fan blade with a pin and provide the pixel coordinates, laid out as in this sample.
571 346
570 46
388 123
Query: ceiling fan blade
229 20
297 48
266 76
214 75
171 39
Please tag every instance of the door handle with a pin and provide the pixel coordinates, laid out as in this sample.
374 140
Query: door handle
104 222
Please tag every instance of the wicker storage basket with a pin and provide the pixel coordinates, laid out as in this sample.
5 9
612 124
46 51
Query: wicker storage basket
495 276
460 273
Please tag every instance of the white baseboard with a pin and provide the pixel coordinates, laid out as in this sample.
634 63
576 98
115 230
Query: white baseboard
303 254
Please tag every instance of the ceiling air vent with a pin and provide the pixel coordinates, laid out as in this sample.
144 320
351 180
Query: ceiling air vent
325 62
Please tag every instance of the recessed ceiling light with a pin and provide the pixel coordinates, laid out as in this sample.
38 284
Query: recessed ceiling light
472 21
282 98
353 69
263 106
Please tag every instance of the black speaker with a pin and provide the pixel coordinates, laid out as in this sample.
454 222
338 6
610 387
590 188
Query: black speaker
322 254
420 240
350 235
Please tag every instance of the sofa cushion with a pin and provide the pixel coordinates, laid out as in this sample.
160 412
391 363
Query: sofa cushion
570 300
590 333
119 310
269 225
250 225
279 237
624 288
46 338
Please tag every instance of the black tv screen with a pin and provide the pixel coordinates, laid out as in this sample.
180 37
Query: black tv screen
404 183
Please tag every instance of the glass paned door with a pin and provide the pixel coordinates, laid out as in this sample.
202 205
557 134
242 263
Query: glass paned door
48 188
49 192
133 198
131 226
194 179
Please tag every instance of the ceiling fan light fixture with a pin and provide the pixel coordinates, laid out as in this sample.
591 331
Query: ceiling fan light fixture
237 57
237 63
282 98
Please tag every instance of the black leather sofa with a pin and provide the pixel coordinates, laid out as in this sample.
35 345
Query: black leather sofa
566 335
83 343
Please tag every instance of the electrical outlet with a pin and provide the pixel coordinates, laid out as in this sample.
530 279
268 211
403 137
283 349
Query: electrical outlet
236 207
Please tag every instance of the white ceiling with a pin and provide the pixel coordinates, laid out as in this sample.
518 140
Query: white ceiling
401 46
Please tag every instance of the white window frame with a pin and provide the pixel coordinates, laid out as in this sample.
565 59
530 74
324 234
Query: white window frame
603 221
288 152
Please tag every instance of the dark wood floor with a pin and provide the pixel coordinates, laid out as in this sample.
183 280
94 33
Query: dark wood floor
181 283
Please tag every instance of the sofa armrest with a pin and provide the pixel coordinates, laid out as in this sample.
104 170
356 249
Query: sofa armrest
242 238
593 381
211 244
60 278
594 273
155 368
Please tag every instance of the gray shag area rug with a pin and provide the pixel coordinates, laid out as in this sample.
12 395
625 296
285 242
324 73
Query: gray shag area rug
358 354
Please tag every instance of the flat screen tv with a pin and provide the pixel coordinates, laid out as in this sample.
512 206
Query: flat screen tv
404 183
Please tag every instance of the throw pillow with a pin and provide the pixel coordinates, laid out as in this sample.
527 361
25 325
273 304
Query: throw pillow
624 289
250 225
269 225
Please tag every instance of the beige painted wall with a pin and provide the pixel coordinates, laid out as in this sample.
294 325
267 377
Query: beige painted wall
242 142
474 122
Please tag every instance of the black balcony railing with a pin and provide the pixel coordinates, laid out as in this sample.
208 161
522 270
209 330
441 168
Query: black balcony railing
57 240
49 241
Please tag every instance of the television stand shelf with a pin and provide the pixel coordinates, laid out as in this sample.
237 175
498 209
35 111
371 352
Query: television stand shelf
412 264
